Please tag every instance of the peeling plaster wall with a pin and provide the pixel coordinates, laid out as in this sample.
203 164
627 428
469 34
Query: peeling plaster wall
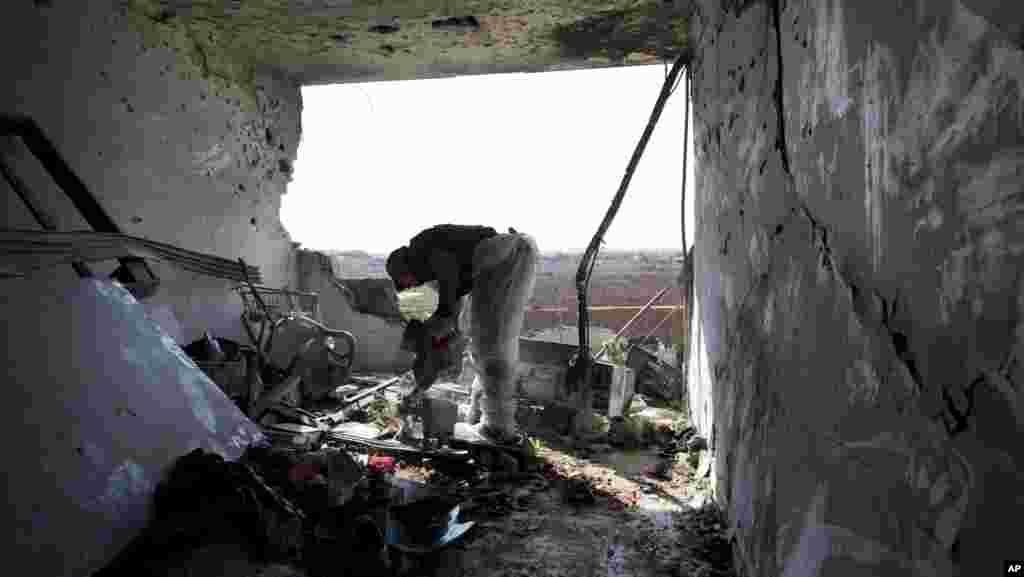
169 157
860 193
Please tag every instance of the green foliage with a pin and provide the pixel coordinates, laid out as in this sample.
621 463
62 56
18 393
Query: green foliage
383 413
534 447
617 351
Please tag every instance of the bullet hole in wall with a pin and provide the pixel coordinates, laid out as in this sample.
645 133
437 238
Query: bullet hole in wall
252 221
136 219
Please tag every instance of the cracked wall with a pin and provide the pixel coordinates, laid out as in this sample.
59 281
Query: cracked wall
169 155
860 370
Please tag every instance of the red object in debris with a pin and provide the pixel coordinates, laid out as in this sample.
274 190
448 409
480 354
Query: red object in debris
380 464
550 472
303 472
440 343
616 505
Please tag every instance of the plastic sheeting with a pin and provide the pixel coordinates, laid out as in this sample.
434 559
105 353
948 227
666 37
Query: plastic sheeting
99 402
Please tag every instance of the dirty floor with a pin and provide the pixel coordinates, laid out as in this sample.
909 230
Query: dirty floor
635 524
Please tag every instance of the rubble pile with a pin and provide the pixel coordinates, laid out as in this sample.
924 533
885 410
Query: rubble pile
357 485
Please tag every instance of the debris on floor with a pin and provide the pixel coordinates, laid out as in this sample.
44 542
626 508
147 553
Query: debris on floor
334 491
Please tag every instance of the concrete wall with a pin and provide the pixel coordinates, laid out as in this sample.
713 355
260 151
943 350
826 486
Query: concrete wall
377 340
858 269
542 369
170 156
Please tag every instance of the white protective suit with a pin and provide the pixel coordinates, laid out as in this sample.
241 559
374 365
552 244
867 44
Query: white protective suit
505 271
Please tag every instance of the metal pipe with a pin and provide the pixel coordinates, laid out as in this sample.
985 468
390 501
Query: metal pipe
653 300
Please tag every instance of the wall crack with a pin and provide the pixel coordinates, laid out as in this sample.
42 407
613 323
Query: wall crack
956 418
780 141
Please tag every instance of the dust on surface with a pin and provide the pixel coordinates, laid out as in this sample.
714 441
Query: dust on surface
546 524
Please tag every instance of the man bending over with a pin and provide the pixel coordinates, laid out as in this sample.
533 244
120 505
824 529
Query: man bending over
498 271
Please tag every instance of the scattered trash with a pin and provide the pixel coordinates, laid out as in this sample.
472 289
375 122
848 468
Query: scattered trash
357 429
423 526
206 349
381 464
291 434
337 478
344 391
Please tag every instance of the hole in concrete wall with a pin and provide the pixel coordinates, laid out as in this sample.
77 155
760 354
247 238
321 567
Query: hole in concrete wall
379 162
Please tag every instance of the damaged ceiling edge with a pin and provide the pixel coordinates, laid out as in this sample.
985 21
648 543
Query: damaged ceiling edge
354 42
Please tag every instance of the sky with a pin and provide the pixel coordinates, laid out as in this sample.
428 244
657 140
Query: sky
543 153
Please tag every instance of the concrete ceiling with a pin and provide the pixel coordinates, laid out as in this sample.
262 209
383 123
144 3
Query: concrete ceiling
321 41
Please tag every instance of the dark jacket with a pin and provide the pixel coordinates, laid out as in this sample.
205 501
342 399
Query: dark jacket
459 240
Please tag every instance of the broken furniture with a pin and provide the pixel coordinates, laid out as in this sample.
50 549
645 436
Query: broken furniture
266 312
133 272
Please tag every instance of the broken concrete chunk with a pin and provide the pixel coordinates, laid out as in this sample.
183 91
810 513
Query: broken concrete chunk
372 296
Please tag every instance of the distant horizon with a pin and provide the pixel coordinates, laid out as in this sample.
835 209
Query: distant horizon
567 252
